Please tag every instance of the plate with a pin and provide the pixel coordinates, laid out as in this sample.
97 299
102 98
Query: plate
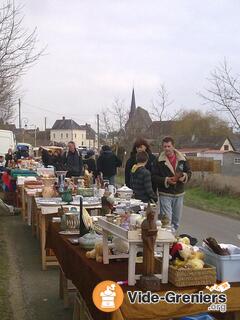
69 232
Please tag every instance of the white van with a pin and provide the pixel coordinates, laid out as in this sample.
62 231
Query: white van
7 140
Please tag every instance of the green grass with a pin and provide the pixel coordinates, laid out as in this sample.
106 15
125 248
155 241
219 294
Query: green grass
5 309
198 198
120 178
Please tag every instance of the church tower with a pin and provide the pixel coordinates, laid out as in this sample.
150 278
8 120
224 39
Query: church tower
133 105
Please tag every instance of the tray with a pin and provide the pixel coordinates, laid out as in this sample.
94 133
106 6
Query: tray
69 232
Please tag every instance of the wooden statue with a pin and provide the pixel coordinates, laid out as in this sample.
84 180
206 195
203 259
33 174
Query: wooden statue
149 281
149 235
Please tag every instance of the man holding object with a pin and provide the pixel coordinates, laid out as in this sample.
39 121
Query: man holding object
170 173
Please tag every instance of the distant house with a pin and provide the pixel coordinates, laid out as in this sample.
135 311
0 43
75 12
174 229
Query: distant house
222 150
65 130
196 147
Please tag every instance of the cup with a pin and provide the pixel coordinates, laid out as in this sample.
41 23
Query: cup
101 192
133 219
110 217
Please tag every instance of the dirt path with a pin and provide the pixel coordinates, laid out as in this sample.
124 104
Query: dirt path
33 293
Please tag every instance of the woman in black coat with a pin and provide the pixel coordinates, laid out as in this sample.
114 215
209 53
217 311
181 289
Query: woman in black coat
139 145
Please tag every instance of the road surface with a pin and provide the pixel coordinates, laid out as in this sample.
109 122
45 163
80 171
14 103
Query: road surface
202 224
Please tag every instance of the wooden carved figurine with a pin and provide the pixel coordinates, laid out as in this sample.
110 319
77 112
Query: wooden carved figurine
148 280
149 235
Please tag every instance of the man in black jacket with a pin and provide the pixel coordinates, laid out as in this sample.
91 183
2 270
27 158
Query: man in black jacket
107 164
140 180
169 175
72 160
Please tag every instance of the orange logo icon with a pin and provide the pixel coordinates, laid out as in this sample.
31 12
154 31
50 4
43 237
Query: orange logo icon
108 296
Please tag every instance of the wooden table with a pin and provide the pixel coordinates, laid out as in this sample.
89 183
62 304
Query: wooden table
87 273
135 243
45 214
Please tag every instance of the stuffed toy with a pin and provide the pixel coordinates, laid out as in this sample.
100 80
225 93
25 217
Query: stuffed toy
184 256
96 253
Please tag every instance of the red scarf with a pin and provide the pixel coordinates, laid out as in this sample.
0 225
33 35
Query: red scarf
173 160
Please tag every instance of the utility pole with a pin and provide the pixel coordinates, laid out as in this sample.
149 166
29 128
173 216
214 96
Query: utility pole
98 133
19 114
45 123
35 136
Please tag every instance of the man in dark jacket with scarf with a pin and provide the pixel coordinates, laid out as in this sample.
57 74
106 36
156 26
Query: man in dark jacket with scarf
170 173
107 164
72 161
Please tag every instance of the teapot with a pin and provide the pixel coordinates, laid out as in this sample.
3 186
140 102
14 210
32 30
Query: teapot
125 193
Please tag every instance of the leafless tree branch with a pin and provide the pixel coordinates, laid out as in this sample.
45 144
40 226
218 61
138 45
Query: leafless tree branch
17 54
223 93
161 104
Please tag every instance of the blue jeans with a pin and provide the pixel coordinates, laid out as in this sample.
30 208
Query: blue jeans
171 206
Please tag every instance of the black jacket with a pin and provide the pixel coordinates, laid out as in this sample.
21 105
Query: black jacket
162 169
8 158
73 163
141 184
45 157
108 163
130 163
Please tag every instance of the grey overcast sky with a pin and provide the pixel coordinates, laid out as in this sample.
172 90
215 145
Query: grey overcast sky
97 50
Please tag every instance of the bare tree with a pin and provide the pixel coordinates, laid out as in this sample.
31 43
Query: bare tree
161 104
17 53
119 113
223 93
106 123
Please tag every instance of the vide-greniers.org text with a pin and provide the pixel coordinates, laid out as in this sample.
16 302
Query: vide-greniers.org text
173 297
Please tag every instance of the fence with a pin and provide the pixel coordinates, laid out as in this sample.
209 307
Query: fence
204 164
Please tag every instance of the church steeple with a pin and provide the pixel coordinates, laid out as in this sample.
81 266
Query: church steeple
133 105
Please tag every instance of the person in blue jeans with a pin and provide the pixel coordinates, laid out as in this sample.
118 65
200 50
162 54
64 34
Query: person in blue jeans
170 173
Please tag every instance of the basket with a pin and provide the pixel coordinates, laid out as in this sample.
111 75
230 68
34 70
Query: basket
181 277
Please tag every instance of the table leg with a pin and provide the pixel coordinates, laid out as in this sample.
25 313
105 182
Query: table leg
23 203
105 247
43 240
29 209
37 214
132 264
165 263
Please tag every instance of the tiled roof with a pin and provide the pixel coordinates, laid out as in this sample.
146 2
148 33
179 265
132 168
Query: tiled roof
66 124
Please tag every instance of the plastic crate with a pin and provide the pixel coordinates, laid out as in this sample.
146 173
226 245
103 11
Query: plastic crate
228 267
202 316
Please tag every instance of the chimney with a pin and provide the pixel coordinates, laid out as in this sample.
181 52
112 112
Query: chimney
63 118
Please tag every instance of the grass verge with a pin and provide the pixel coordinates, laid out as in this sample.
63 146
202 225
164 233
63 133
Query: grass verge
5 309
208 201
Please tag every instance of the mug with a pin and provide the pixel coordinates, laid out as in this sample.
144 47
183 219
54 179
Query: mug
101 192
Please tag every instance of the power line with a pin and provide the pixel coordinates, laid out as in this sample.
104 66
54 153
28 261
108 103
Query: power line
50 110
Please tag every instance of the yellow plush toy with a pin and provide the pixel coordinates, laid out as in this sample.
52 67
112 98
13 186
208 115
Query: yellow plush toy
96 253
184 255
196 261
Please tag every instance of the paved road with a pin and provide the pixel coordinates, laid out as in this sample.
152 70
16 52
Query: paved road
202 224
34 293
